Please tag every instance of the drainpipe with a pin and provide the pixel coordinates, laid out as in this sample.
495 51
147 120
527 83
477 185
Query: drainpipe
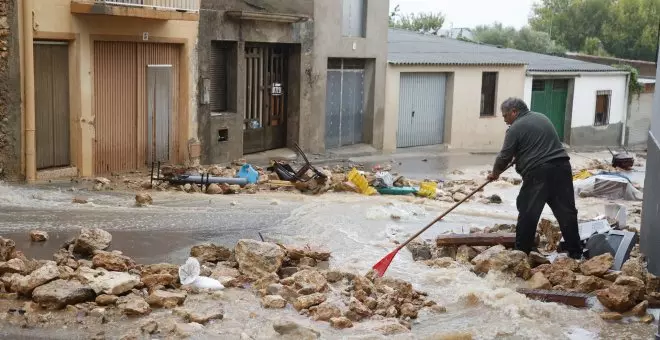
625 116
28 83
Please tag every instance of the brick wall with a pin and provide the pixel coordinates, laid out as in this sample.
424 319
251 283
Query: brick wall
10 92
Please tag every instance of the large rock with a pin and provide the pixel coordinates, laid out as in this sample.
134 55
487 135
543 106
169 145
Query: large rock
306 301
165 299
273 301
635 285
567 263
13 266
112 261
598 265
160 268
499 259
420 251
617 298
91 240
44 274
341 322
640 308
402 288
60 293
539 281
311 281
258 259
358 309
111 283
317 254
213 189
465 254
292 330
587 284
561 277
634 267
165 280
210 253
325 312
106 300
7 248
536 259
135 306
38 236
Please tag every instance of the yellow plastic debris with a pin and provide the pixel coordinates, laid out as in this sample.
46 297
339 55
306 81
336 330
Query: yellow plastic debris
427 189
584 174
361 183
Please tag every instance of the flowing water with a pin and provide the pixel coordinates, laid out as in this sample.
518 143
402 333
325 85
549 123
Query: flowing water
358 230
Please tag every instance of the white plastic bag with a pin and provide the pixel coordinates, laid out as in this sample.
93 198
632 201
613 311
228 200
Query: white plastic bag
189 275
386 177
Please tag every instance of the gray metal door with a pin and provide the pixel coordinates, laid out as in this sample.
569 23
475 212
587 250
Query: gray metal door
344 103
52 115
421 109
159 94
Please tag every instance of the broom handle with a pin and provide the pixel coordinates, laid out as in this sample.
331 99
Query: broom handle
446 212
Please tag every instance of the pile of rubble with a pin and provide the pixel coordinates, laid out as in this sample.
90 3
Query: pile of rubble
627 292
84 276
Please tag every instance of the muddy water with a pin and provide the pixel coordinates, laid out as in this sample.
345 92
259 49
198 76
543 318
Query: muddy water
358 230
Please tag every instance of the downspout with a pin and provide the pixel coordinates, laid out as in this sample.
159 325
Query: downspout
28 78
627 111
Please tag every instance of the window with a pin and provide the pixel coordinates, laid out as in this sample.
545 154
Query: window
538 85
354 17
488 92
602 108
219 93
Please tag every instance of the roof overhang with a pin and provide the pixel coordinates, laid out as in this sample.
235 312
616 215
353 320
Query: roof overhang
265 16
575 73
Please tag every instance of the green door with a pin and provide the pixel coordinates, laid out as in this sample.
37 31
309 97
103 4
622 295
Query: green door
549 97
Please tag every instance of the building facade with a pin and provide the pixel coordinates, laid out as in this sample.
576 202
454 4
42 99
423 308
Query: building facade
10 92
274 72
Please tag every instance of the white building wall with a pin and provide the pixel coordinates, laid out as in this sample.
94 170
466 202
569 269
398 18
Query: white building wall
528 91
584 98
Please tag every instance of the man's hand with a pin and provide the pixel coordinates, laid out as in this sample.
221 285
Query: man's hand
493 176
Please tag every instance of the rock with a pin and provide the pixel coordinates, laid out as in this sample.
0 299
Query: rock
258 259
340 322
292 330
306 301
610 316
392 329
499 259
205 314
495 199
60 293
38 236
149 326
143 199
285 292
161 268
106 300
447 251
465 254
154 280
567 263
634 267
310 278
91 240
7 248
112 261
640 308
97 312
402 288
458 196
550 232
113 283
617 298
409 310
267 280
612 275
213 189
79 200
273 301
648 318
636 286
210 253
420 251
587 284
443 262
317 254
453 336
307 262
13 266
187 330
536 259
360 311
165 299
136 306
538 281
325 312
598 265
102 180
562 277
43 275
65 272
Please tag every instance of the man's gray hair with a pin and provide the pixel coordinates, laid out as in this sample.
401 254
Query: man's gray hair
514 104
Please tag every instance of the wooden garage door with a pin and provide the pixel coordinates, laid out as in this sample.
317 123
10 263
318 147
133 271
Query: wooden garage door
121 102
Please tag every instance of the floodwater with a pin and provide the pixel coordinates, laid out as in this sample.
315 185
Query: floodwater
358 230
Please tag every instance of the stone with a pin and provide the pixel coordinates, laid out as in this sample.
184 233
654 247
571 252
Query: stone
210 253
610 316
136 306
266 280
295 253
567 263
310 278
306 301
213 189
286 292
340 322
536 259
392 329
640 308
562 277
359 309
149 326
13 266
538 281
7 248
112 261
465 254
65 272
205 315
551 233
98 312
60 293
79 200
612 275
402 288
160 268
616 298
165 280
307 262
634 267
113 283
458 196
443 262
43 275
187 330
648 318
165 299
325 312
257 259
420 251
106 300
293 330
587 284
499 259
446 251
38 236
143 199
273 301
333 276
409 310
598 265
636 286
91 240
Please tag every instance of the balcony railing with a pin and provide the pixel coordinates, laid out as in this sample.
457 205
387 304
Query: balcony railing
172 5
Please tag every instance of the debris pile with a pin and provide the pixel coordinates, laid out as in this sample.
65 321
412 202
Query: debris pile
87 277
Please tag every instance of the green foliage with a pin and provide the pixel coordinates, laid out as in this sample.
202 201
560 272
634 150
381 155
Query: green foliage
634 87
633 31
526 39
593 46
418 22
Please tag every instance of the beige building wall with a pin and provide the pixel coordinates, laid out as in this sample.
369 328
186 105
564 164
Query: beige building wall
53 20
464 128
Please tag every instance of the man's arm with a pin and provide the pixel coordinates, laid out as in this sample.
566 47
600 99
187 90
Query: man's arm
506 154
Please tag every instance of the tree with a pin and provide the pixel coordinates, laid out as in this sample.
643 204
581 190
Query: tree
633 31
421 22
495 34
526 39
593 46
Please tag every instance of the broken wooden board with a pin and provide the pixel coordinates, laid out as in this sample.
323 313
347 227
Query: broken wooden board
280 184
571 299
477 239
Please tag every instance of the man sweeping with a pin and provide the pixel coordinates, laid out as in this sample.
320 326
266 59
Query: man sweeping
546 172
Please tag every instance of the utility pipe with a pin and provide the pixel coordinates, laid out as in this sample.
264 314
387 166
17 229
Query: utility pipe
28 84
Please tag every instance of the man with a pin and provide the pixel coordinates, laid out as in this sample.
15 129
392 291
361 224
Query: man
532 142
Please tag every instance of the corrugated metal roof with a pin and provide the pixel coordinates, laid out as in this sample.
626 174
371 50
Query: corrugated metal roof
411 48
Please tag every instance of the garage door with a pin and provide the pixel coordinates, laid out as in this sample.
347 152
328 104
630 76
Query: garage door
421 109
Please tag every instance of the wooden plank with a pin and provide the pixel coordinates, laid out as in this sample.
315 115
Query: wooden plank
571 299
477 239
